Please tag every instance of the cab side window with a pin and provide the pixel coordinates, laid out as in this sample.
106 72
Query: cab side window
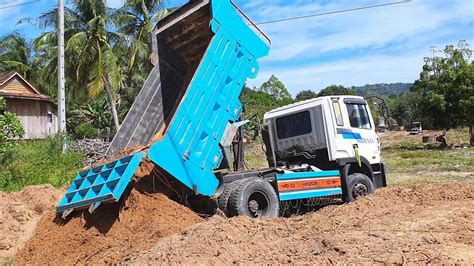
293 125
358 116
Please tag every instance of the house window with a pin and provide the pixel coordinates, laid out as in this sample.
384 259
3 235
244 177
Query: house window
50 118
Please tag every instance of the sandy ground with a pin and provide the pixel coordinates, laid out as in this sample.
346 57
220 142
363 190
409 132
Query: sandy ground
19 214
417 224
113 233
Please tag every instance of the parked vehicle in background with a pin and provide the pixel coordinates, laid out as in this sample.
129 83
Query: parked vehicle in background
416 129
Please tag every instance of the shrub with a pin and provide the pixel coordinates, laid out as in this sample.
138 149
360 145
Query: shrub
10 127
85 131
38 162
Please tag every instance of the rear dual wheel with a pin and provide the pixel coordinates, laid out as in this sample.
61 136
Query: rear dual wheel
253 197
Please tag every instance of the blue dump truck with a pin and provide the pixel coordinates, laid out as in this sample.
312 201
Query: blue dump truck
187 121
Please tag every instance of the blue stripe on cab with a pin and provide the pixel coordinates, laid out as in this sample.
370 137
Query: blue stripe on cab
351 136
348 134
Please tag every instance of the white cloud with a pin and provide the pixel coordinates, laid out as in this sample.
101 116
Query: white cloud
115 3
371 46
356 71
374 27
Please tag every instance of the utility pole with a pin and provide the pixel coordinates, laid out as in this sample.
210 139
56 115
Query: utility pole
61 79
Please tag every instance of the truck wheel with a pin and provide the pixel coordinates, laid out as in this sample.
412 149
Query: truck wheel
358 185
223 199
254 197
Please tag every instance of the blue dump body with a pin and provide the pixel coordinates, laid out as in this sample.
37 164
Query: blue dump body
188 148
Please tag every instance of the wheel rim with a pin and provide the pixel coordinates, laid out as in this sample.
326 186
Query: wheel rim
258 204
359 190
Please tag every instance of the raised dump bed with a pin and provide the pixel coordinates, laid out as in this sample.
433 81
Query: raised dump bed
203 53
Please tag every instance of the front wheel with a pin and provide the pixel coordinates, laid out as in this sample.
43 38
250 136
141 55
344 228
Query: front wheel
358 185
254 197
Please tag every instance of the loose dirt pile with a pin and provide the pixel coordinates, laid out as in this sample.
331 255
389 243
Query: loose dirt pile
419 224
113 233
425 223
19 214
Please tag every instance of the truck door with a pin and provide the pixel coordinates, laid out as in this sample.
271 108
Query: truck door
360 130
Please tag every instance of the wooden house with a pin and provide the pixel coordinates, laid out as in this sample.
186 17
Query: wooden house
37 112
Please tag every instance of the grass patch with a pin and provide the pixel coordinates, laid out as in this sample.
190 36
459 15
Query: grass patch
412 166
256 161
37 162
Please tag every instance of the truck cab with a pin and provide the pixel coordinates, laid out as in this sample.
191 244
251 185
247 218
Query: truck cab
319 149
327 132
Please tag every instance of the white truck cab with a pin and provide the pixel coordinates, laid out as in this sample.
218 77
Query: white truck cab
316 149
327 132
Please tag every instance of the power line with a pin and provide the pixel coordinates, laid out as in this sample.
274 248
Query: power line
335 12
9 2
17 5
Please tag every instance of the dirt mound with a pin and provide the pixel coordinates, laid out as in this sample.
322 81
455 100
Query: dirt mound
19 214
112 234
418 224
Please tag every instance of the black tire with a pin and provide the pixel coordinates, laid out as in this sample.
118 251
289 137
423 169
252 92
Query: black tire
254 197
358 185
223 199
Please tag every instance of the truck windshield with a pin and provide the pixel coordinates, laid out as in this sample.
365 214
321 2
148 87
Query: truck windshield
358 115
293 125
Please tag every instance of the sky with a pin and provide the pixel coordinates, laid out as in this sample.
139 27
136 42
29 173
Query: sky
381 45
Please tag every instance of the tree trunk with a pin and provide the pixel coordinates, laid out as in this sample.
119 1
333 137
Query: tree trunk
471 134
113 108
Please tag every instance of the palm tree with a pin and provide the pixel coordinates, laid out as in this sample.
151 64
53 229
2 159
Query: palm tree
90 50
15 54
137 18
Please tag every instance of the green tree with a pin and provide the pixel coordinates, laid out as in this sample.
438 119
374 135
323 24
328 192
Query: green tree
93 115
336 90
306 95
256 103
137 18
446 86
276 89
90 50
403 108
15 54
10 127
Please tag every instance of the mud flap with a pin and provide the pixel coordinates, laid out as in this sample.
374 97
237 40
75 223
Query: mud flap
101 184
